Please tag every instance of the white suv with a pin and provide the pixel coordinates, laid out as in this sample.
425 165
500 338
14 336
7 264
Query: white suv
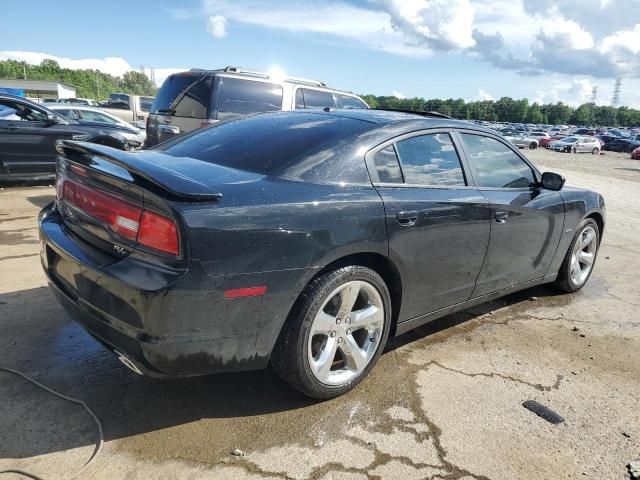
197 98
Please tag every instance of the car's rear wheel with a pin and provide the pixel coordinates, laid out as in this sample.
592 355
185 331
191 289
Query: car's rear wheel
335 333
533 145
580 258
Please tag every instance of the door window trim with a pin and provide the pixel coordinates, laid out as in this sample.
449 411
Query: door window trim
373 173
457 134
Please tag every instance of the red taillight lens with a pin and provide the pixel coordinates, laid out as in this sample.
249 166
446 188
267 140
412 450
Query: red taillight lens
128 221
122 217
158 232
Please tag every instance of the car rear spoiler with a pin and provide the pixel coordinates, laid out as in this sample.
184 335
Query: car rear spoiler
172 182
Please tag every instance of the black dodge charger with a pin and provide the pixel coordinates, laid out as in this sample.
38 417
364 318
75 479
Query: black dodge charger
304 239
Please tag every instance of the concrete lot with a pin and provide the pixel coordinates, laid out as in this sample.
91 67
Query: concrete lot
443 402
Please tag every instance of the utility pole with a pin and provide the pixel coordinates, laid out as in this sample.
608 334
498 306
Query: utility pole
24 71
615 98
98 82
594 94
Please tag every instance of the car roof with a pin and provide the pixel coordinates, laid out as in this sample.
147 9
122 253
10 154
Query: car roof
387 117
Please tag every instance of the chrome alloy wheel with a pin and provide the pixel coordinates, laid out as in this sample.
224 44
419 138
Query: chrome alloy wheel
345 333
583 256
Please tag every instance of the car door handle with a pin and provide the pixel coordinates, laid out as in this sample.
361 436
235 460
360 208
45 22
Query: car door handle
407 219
501 217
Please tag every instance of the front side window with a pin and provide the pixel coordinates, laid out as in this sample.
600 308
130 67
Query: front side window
243 97
430 160
68 112
16 111
495 165
97 117
317 98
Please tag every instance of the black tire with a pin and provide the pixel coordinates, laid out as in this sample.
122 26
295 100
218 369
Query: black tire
533 145
595 151
574 150
289 357
564 281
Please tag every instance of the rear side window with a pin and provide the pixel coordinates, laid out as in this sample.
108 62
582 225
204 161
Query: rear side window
345 101
495 165
183 96
387 167
243 97
430 160
316 98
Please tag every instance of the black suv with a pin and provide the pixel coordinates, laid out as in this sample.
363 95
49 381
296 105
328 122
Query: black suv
197 98
28 135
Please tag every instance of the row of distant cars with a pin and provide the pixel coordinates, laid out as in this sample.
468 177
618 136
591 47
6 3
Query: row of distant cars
577 140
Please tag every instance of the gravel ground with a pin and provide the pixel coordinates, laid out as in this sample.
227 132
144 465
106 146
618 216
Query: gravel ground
444 401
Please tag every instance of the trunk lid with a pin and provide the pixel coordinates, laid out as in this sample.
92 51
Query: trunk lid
121 202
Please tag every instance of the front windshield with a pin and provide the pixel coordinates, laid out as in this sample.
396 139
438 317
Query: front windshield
570 139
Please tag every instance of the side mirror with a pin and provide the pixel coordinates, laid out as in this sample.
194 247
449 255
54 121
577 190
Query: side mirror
552 181
52 118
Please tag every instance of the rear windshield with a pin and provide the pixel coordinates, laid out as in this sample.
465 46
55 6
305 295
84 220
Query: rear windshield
184 95
267 143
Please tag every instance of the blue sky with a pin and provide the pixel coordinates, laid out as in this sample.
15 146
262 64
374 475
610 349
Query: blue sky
545 50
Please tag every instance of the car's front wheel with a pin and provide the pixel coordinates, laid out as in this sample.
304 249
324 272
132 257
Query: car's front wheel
595 151
533 145
580 258
335 332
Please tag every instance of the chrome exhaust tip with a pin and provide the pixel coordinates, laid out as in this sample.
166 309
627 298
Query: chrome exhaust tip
130 364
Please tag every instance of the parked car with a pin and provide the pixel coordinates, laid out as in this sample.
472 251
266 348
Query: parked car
635 155
198 98
133 109
79 101
28 135
576 144
521 141
546 141
95 116
305 239
585 131
622 145
538 135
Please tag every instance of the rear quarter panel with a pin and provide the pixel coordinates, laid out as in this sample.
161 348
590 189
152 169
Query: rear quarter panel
280 233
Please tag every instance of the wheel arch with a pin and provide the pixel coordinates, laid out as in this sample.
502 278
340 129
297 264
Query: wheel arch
599 219
380 264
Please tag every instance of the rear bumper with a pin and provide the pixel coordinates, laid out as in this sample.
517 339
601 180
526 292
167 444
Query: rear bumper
166 323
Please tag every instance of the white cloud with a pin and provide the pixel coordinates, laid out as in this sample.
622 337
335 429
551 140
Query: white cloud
574 37
112 65
397 94
567 34
626 39
217 26
439 24
484 96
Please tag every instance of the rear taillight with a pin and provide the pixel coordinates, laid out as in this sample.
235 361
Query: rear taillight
127 220
158 232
